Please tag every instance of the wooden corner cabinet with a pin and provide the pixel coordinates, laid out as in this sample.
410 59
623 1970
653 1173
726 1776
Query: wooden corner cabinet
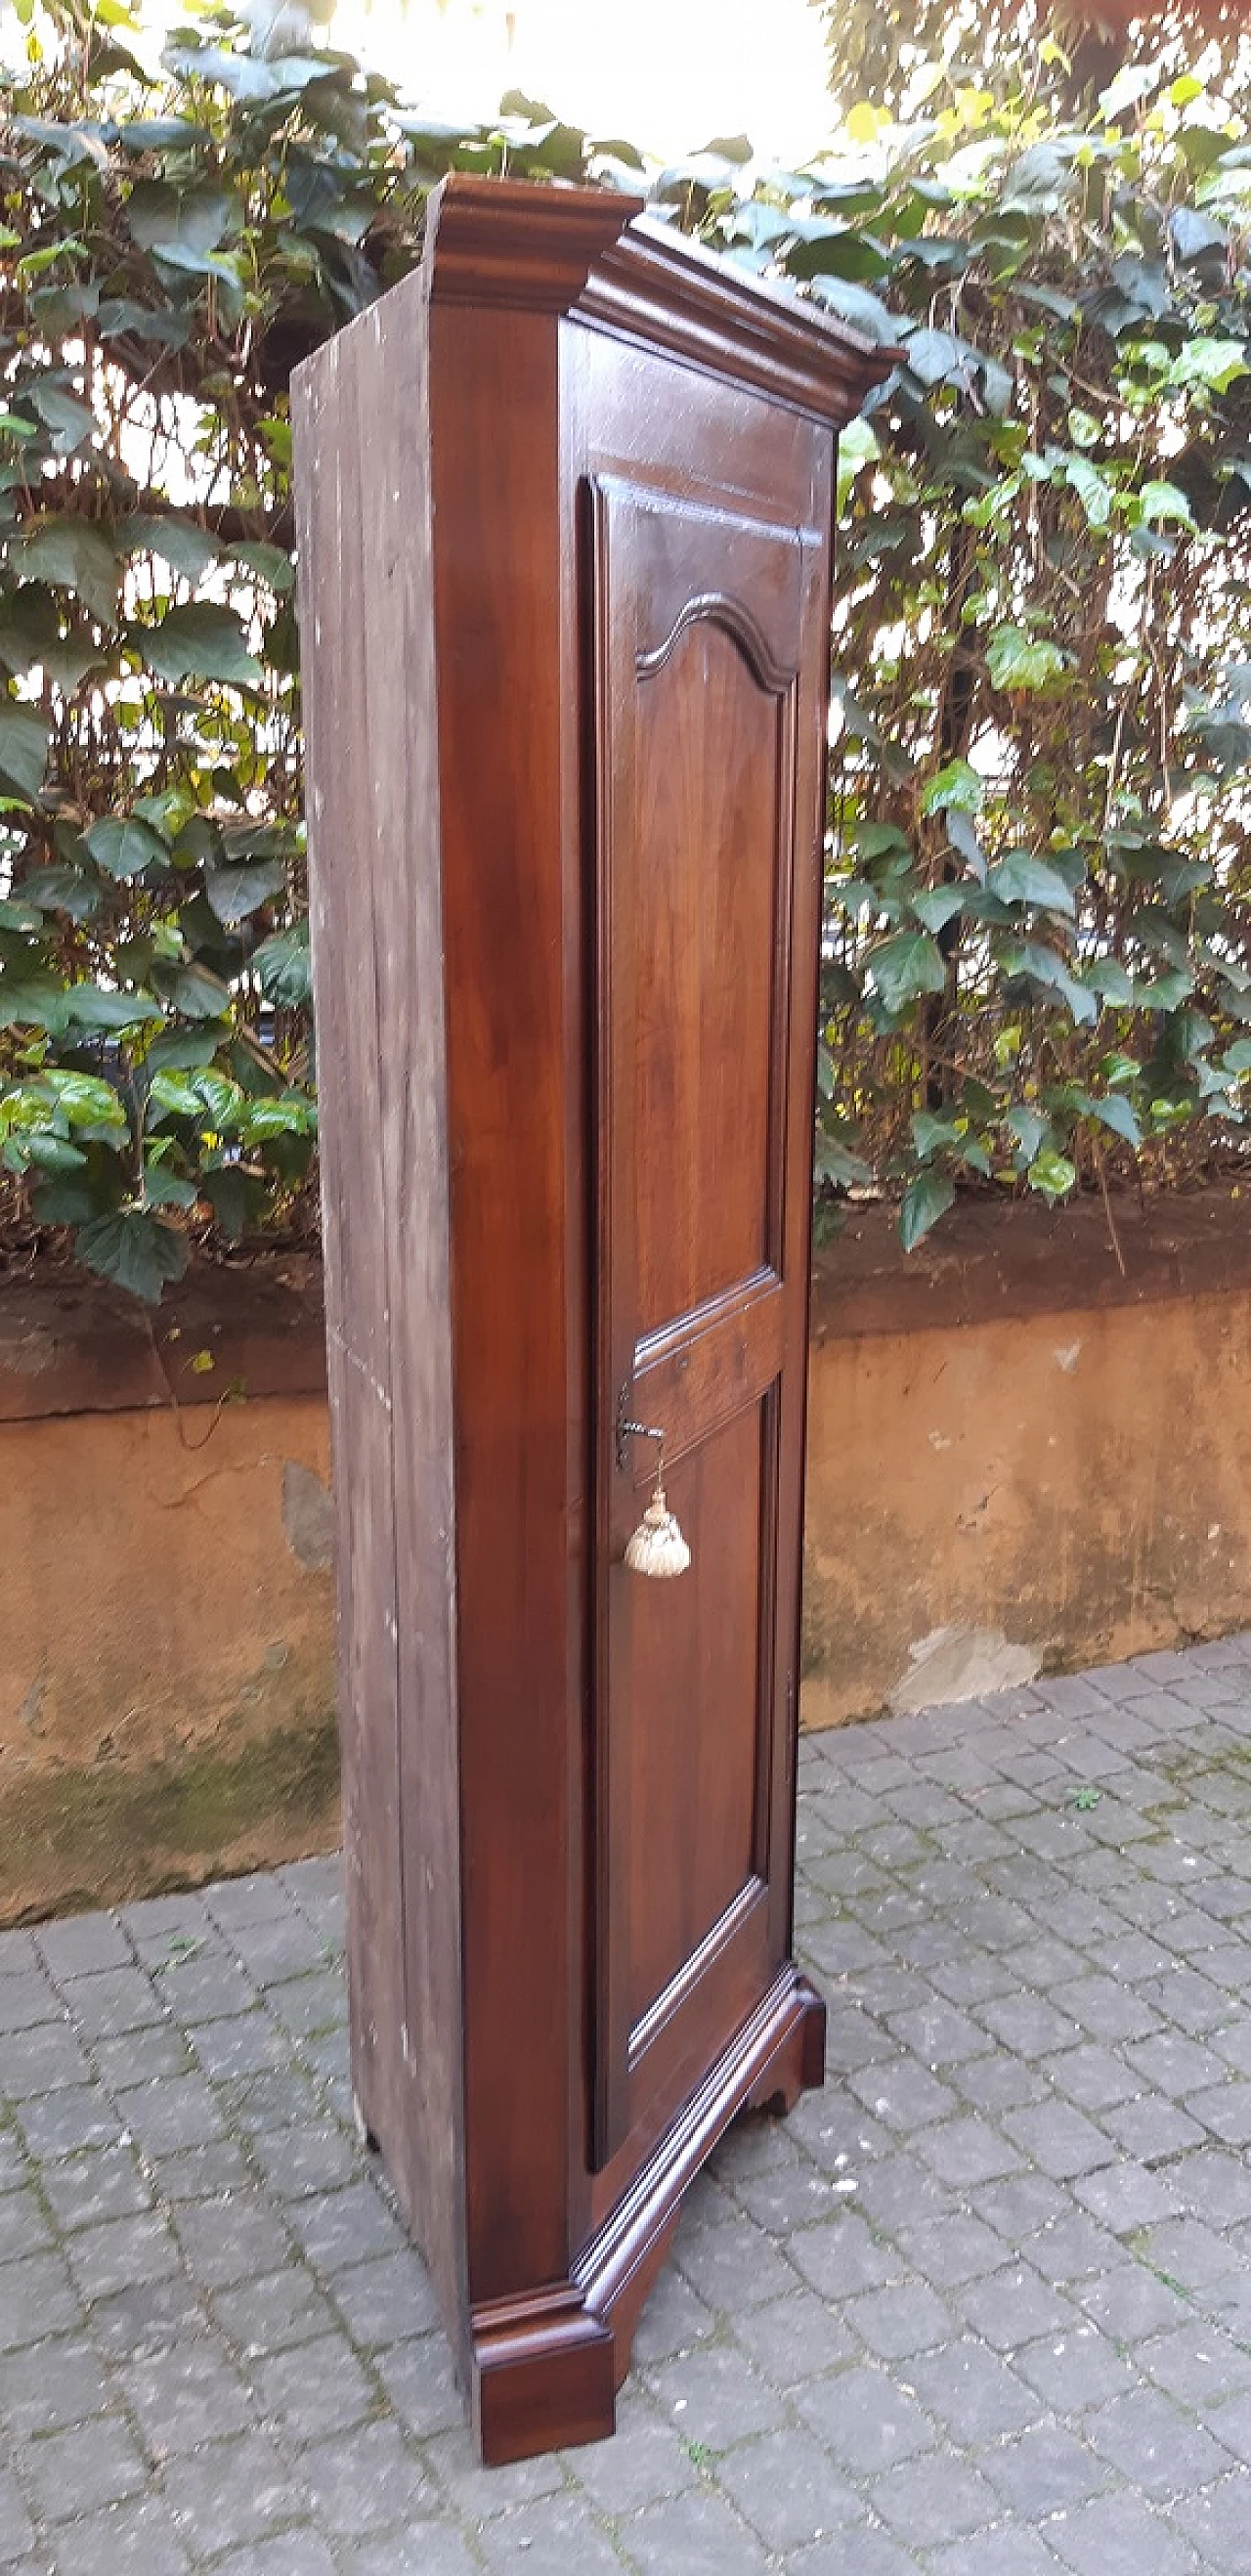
565 504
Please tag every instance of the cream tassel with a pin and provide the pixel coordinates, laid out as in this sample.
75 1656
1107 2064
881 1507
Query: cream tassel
657 1546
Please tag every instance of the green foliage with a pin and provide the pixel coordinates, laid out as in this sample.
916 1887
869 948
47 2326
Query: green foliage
1037 968
1037 958
186 232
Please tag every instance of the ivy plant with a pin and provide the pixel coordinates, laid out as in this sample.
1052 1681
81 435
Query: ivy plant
1036 969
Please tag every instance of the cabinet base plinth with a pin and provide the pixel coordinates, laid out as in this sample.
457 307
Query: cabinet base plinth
546 2368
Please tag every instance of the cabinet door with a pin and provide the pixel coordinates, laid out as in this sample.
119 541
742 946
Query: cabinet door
708 659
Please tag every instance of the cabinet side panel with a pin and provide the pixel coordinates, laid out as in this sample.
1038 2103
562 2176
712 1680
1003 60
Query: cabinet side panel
359 410
403 753
497 593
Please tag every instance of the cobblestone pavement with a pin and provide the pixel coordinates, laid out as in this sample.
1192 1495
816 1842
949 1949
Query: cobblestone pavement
983 2308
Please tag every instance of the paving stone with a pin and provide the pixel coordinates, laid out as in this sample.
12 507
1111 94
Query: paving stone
1155 2444
294 2161
1130 2302
899 2323
673 2320
121 2253
114 2001
786 2487
968 2152
365 2480
1006 2551
1046 2471
844 2256
201 2173
37 2299
76 2471
1076 2371
43 2060
794 2338
903 2094
974 2393
1071 2249
1230 2423
426 2549
699 2533
135 2539
232 2237
158 2054
1120 2536
1059 2139
228 2492
1217 2525
355 2225
24 2225
1125 2196
59 2124
191 2395
165 2116
1187 2252
240 2044
269 2315
946 2251
145 2318
865 2419
82 1945
646 2460
854 2553
714 2396
386 2301
51 2384
1032 2143
1014 2307
16 2529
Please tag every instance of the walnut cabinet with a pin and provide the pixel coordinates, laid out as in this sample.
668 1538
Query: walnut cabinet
565 502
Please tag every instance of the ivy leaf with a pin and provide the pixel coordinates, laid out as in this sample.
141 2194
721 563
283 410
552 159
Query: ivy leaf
135 1250
1162 502
957 787
1107 977
937 905
124 845
291 1115
1211 363
181 224
926 1199
1021 878
24 739
1165 991
72 554
198 637
178 539
1019 661
197 993
235 893
89 1104
1044 966
931 1134
211 1099
1030 1128
283 967
70 421
1093 490
1116 1112
92 1006
836 1163
1051 1174
904 966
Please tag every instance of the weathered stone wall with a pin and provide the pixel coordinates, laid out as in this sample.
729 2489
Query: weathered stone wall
1021 1457
166 1630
